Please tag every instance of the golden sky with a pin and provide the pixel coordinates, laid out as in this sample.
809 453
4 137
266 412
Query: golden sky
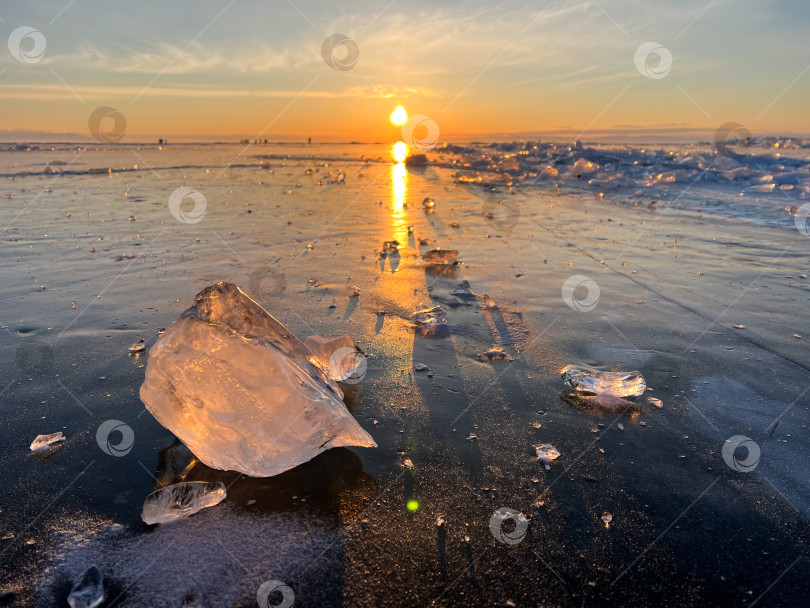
560 70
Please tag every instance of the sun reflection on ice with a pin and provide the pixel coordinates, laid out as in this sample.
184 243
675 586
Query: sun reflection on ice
400 151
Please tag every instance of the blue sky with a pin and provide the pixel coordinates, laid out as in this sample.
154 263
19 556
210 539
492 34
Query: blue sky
560 69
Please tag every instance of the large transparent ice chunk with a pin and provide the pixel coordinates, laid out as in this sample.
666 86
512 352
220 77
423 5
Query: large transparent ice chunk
180 500
241 391
88 592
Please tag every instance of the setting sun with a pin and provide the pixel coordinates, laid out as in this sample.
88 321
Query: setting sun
400 151
399 116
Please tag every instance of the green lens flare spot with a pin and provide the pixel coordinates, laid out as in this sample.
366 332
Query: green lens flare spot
412 505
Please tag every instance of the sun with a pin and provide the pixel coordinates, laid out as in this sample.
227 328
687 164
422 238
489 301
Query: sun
399 116
400 151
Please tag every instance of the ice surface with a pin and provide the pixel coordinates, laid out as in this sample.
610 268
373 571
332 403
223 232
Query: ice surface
43 442
241 391
620 384
180 500
89 591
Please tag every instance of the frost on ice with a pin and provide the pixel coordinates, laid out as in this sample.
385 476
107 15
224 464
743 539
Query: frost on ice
242 392
180 500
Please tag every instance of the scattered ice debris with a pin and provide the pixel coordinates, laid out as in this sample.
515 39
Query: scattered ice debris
655 401
88 592
604 402
497 353
428 203
738 326
246 377
138 347
45 442
472 437
620 384
547 454
408 463
181 500
606 519
430 321
421 367
193 600
443 257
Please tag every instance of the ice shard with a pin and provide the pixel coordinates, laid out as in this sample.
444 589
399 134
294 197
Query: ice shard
181 500
45 442
89 591
619 384
242 392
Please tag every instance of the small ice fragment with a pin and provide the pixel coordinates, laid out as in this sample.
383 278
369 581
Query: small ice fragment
138 347
738 326
606 519
487 303
193 600
430 320
89 591
440 521
429 373
455 225
355 291
463 291
496 353
797 336
43 442
421 367
621 426
181 500
547 454
428 203
655 401
408 463
416 160
620 384
440 256
472 437
390 246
